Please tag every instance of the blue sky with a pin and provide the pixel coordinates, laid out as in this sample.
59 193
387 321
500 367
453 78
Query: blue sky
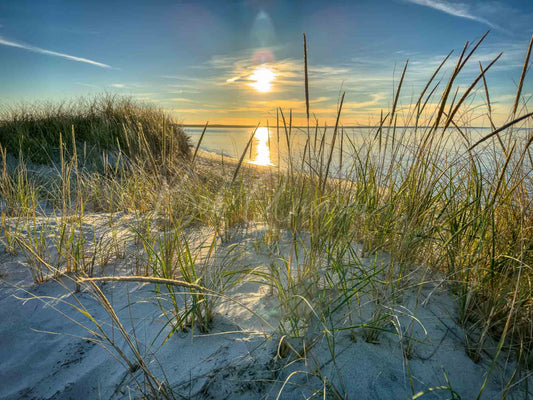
197 59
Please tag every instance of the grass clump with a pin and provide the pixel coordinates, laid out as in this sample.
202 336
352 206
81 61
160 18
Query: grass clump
105 122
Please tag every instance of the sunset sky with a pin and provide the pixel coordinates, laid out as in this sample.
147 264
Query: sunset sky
234 62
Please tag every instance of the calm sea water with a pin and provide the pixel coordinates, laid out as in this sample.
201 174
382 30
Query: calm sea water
269 142
269 147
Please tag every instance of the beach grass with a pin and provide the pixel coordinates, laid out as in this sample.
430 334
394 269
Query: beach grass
433 199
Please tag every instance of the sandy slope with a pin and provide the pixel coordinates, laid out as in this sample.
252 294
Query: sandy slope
238 358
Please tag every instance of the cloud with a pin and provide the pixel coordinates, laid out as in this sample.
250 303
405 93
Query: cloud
183 100
366 79
460 10
91 85
376 100
52 53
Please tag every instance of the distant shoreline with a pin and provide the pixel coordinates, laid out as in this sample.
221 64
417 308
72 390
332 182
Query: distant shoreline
312 127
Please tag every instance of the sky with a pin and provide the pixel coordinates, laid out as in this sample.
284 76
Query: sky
236 62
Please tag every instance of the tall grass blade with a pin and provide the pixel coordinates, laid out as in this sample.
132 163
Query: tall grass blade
522 76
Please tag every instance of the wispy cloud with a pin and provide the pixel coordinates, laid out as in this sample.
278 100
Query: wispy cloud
183 100
39 50
456 9
222 90
90 85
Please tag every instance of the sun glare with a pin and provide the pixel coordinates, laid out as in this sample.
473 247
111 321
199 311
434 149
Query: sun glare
262 150
262 78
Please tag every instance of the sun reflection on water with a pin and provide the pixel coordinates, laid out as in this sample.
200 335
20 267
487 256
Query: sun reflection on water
261 148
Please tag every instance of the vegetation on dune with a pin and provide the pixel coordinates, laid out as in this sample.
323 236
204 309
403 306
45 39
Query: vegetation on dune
432 195
104 122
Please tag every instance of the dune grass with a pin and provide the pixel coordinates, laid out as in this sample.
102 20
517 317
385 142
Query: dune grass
434 196
105 122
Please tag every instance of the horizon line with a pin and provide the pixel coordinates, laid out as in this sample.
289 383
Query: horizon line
305 127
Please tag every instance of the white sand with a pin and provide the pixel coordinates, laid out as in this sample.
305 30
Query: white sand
237 359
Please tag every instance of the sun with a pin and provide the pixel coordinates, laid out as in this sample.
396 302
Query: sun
262 79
